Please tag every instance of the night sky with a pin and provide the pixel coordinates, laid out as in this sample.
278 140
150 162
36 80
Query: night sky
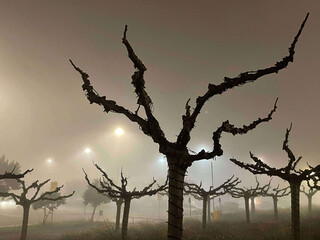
185 45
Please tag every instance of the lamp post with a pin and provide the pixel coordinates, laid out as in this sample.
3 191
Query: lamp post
118 132
87 151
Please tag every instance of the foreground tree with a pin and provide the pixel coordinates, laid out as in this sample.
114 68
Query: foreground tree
275 194
289 173
198 192
177 153
92 197
109 188
48 206
247 193
26 201
309 194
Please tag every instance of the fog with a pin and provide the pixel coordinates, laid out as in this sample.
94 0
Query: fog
44 113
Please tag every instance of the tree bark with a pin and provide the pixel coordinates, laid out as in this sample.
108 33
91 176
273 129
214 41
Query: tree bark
94 211
125 219
275 208
204 212
295 210
26 209
209 211
309 204
119 203
175 211
253 207
246 206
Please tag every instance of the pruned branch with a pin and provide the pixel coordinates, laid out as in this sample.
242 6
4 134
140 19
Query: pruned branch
12 175
230 83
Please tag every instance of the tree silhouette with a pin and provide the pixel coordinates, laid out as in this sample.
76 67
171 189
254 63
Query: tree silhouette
109 188
26 201
247 193
309 194
275 194
198 192
92 197
48 206
177 153
289 173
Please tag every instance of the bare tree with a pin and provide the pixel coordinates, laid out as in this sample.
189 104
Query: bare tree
289 173
109 188
177 153
26 201
200 193
275 194
247 193
309 194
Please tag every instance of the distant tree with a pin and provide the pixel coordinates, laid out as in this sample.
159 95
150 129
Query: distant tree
275 194
9 168
198 192
309 194
48 206
247 193
109 188
289 173
92 197
178 153
26 202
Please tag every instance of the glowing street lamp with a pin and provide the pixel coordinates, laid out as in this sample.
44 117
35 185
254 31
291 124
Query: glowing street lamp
119 132
49 160
87 150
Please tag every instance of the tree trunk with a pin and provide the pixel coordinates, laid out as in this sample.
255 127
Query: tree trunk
175 211
309 204
209 211
26 209
44 215
295 210
119 203
253 207
125 219
204 212
94 211
275 208
246 206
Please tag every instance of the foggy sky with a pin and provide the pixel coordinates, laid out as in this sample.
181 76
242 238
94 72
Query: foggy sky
185 45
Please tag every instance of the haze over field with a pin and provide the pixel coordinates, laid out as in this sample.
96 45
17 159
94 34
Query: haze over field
44 113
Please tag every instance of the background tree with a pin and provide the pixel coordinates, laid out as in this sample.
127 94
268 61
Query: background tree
7 167
289 173
109 188
178 154
48 206
201 194
92 197
275 194
25 201
309 194
247 193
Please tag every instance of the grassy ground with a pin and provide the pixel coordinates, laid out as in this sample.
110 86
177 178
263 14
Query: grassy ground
217 231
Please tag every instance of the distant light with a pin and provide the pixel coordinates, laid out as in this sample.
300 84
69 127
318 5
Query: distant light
49 160
7 204
87 150
162 160
119 132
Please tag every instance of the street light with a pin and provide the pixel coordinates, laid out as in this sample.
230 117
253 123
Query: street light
49 160
119 132
87 150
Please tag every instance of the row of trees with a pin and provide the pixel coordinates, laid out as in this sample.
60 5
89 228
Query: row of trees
178 153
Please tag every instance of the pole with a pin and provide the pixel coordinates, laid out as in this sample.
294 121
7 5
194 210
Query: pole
212 183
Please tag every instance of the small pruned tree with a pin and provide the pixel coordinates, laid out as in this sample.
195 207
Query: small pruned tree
48 206
109 188
247 193
92 197
309 194
276 194
201 194
178 154
289 173
23 200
